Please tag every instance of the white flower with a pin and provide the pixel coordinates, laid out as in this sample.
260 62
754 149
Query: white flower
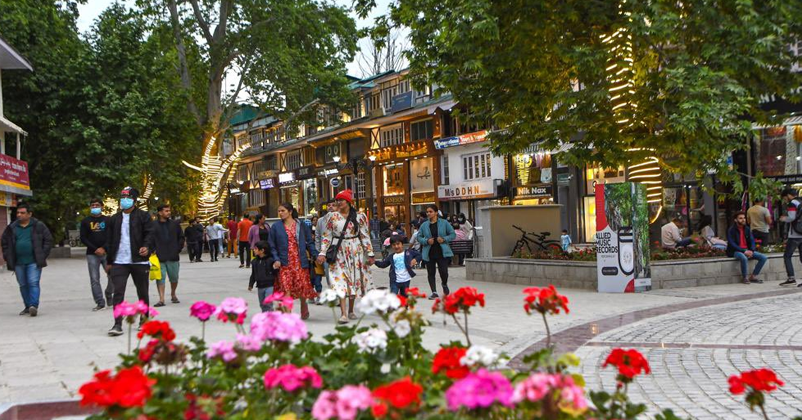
479 355
371 340
402 328
378 301
330 295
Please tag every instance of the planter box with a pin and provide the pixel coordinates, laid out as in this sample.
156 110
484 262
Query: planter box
582 275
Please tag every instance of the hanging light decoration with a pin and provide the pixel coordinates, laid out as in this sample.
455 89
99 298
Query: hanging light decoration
216 173
621 74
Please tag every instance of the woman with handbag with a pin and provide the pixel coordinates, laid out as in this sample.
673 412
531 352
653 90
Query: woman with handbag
290 240
346 246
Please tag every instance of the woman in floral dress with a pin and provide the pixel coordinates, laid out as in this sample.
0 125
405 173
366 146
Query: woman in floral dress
290 242
350 274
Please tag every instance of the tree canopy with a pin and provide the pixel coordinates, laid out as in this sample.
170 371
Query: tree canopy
543 70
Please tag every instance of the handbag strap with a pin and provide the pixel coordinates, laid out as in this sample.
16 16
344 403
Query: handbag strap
342 233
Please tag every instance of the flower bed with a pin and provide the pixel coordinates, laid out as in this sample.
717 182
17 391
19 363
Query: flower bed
273 370
659 254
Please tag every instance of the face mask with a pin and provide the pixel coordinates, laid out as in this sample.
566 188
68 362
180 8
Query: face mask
95 211
126 203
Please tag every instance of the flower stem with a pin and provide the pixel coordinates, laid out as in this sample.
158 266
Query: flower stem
548 331
763 410
203 331
467 337
130 327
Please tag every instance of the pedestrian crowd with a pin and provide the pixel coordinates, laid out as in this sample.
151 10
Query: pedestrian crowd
291 256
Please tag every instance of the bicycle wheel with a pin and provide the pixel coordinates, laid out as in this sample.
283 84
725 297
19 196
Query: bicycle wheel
517 249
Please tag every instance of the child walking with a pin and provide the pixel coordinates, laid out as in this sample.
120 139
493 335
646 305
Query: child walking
262 274
400 263
565 239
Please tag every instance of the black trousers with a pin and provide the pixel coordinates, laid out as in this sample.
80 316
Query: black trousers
192 250
762 238
119 276
245 253
214 248
441 265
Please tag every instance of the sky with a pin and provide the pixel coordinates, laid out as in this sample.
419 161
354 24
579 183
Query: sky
92 9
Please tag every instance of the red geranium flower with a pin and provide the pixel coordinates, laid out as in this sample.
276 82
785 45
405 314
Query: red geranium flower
447 360
203 407
760 380
129 388
463 299
544 300
146 354
630 363
157 329
402 394
415 292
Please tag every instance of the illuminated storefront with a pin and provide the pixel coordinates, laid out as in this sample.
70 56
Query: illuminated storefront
532 177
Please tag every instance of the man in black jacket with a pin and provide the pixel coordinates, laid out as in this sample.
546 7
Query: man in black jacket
94 229
169 243
130 243
194 235
26 245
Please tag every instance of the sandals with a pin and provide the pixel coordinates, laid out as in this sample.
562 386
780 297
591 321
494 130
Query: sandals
343 320
175 300
158 305
352 316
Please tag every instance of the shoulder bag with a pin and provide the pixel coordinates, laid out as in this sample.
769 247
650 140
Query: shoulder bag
331 253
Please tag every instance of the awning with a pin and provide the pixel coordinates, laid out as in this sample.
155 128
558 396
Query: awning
7 125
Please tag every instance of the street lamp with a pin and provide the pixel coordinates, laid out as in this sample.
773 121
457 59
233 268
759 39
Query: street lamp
336 159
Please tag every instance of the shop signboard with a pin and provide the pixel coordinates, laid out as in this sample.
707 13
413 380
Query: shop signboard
422 175
286 177
14 175
622 238
306 172
467 191
267 184
423 198
402 101
461 140
335 182
406 150
270 173
533 191
393 200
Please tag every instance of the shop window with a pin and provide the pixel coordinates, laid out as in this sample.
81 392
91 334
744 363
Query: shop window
242 173
394 179
444 176
256 197
476 166
771 150
421 130
360 185
392 135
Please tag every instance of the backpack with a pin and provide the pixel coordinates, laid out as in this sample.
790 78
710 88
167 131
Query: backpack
796 224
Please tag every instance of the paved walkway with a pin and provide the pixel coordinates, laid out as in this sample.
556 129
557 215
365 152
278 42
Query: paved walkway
49 357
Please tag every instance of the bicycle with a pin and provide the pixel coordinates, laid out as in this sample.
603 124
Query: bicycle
532 242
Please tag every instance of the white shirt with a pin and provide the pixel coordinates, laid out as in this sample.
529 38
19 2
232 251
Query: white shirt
215 231
670 235
401 273
124 250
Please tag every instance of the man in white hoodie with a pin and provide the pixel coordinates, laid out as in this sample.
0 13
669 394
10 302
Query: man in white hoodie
794 233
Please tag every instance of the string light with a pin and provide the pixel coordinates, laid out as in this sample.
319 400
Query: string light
621 76
216 173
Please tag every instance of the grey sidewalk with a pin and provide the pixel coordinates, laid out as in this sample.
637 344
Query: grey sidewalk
50 356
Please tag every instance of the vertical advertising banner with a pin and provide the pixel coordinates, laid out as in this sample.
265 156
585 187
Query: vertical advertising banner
622 238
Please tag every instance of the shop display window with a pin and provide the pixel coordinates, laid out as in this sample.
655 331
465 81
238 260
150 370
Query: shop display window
394 179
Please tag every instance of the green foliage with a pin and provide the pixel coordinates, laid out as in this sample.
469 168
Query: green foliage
763 188
699 68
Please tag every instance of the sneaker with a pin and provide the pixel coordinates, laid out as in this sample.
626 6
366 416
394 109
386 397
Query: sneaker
446 291
789 282
116 330
746 281
433 296
242 266
98 308
25 312
318 302
34 310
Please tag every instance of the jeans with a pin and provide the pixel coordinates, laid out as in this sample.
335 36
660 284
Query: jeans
28 276
214 248
393 287
169 269
317 281
790 247
95 264
401 288
140 273
264 293
441 265
744 260
684 242
245 253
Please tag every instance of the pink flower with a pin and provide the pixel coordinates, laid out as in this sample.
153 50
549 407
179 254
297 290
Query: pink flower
283 301
132 309
223 349
202 310
232 309
291 377
344 404
479 390
278 326
249 342
570 397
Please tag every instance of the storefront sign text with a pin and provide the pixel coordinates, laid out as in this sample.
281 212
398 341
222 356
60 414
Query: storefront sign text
14 175
286 177
394 200
461 140
305 173
533 191
407 150
424 197
267 184
466 191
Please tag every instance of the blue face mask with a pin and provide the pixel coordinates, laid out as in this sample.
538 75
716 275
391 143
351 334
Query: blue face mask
96 211
126 203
